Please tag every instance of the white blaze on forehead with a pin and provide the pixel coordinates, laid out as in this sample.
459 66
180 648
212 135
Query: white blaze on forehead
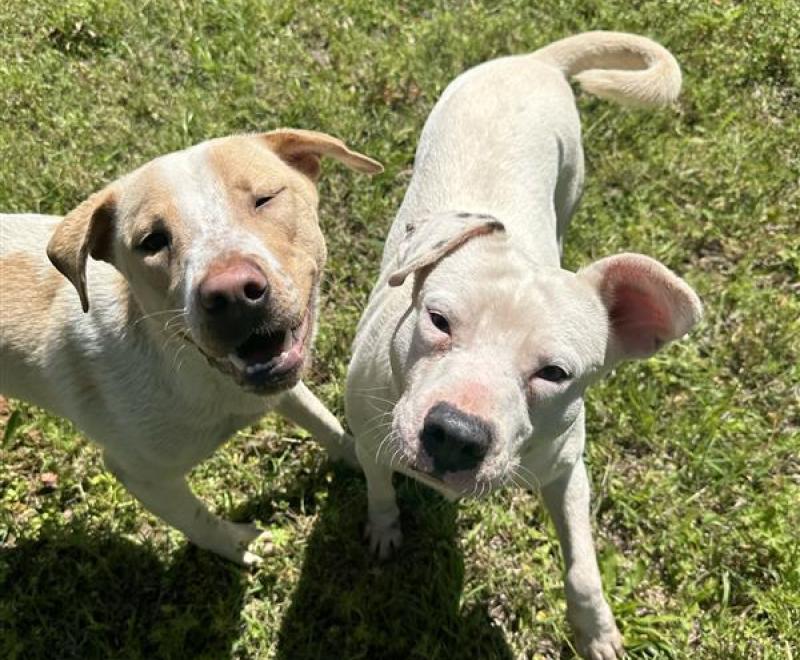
196 189
206 216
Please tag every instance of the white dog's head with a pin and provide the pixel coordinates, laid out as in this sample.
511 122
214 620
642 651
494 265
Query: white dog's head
495 352
219 244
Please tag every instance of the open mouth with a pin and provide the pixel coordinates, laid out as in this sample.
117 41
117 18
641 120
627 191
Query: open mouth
272 357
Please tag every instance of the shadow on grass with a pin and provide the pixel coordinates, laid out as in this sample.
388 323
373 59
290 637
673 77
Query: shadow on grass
79 594
348 605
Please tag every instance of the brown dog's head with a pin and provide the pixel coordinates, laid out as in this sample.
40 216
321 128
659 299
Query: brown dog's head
221 239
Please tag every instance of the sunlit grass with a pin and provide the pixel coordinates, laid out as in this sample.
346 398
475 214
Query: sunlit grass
694 455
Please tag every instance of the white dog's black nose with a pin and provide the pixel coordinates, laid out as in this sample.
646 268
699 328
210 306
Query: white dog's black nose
453 439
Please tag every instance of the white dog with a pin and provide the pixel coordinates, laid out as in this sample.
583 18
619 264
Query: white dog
471 360
195 317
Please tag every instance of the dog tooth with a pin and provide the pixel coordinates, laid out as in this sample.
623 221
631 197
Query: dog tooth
237 362
288 340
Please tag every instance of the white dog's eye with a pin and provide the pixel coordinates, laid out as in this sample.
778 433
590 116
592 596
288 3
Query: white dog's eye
439 322
552 373
154 242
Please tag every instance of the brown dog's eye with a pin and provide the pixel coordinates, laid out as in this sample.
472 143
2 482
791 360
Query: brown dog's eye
552 373
439 322
154 242
263 201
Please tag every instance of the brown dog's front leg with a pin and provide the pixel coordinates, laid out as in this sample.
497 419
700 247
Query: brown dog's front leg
170 498
301 406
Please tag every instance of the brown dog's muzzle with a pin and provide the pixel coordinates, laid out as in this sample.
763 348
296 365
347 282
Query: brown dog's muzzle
247 330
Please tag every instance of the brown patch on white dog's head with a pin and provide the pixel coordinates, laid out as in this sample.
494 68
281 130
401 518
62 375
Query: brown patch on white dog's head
443 233
275 201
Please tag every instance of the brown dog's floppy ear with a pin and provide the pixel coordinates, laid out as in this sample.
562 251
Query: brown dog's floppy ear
647 304
85 231
303 149
436 237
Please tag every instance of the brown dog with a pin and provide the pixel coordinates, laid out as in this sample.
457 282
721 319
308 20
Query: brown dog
193 318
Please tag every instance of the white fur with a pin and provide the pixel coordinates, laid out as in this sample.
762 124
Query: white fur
502 145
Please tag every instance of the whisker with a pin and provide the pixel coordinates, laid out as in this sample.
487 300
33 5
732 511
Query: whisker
379 399
518 482
172 336
380 428
378 422
520 468
383 444
174 319
521 481
395 455
175 357
179 310
360 390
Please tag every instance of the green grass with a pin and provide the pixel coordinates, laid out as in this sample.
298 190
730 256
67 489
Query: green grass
695 455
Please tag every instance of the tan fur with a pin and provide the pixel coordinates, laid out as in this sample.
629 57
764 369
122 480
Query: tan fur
288 223
302 149
153 199
128 359
84 231
25 319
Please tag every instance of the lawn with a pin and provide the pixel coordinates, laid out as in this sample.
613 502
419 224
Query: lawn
694 455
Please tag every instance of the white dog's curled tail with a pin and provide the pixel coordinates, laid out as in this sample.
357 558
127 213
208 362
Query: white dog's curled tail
625 68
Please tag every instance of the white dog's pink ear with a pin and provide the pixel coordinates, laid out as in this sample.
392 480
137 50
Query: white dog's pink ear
647 304
87 230
303 150
436 237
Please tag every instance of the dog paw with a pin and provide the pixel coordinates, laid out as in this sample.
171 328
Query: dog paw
245 544
343 450
383 539
606 645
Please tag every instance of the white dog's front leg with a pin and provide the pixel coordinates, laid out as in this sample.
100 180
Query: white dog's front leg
383 517
171 500
567 500
303 408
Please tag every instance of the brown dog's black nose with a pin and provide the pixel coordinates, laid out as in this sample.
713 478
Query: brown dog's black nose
453 439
